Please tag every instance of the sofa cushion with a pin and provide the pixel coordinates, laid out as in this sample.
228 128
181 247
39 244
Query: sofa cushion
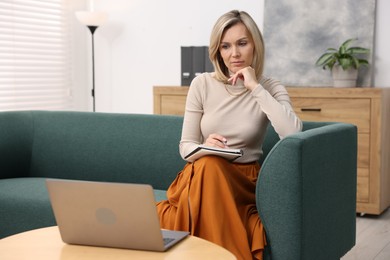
25 205
160 195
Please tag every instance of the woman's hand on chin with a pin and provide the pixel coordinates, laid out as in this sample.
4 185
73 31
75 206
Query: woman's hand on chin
247 75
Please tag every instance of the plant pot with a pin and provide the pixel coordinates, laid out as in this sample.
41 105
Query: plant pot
344 78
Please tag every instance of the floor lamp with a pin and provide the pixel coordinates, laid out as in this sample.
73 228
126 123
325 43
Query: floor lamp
92 20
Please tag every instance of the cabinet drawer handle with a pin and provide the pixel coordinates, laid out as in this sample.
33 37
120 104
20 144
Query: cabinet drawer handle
311 109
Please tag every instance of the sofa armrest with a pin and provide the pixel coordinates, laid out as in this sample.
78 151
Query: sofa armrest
16 131
306 194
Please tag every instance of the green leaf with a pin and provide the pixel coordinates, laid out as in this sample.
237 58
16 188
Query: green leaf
358 50
331 50
347 42
325 58
345 63
363 62
355 62
342 49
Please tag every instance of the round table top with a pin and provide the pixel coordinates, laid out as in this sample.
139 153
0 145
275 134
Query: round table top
46 243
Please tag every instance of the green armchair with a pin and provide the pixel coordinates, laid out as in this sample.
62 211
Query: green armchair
306 193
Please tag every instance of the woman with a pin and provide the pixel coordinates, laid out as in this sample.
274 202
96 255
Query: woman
212 197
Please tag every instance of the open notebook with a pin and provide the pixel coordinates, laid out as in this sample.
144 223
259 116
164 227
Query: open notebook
202 150
109 215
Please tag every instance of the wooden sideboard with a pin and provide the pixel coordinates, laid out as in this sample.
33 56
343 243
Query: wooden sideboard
367 108
169 100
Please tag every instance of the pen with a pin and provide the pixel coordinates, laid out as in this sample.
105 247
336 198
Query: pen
225 143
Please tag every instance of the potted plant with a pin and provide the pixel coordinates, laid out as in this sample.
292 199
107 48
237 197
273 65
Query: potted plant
344 63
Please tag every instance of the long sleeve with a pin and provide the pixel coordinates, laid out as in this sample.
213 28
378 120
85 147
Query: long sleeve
191 132
275 102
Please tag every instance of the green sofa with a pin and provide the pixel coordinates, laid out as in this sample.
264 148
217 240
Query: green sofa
306 192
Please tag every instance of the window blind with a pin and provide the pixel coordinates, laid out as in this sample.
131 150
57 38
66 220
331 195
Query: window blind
35 55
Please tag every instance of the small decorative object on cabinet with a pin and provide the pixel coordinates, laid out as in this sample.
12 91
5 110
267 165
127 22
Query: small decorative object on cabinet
344 63
367 108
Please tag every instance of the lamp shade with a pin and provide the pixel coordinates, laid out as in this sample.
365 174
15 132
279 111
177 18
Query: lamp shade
91 18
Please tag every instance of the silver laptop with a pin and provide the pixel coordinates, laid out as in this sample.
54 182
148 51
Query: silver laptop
109 215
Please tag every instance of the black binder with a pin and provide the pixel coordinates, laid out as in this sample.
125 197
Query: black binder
186 66
194 61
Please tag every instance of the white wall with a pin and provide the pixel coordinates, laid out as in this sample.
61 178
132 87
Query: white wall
382 43
80 59
139 46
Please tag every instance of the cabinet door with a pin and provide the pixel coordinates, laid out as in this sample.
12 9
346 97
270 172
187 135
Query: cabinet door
173 105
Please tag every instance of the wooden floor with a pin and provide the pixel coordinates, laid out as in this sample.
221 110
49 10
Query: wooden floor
372 238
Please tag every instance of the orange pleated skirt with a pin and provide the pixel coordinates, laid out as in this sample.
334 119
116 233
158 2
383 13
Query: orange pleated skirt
214 199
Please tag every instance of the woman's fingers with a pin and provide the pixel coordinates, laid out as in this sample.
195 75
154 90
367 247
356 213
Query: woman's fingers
247 75
216 140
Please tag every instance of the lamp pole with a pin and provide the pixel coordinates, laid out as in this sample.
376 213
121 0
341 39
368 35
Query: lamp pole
92 20
93 28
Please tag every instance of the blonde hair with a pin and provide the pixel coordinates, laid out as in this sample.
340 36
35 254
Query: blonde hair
225 22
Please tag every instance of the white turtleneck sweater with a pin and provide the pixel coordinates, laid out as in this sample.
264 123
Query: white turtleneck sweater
215 107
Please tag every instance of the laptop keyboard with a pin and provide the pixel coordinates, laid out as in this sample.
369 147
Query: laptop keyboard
167 240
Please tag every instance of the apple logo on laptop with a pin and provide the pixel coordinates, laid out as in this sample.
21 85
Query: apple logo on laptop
105 216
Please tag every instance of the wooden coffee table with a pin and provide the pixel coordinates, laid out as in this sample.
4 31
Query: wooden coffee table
46 243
